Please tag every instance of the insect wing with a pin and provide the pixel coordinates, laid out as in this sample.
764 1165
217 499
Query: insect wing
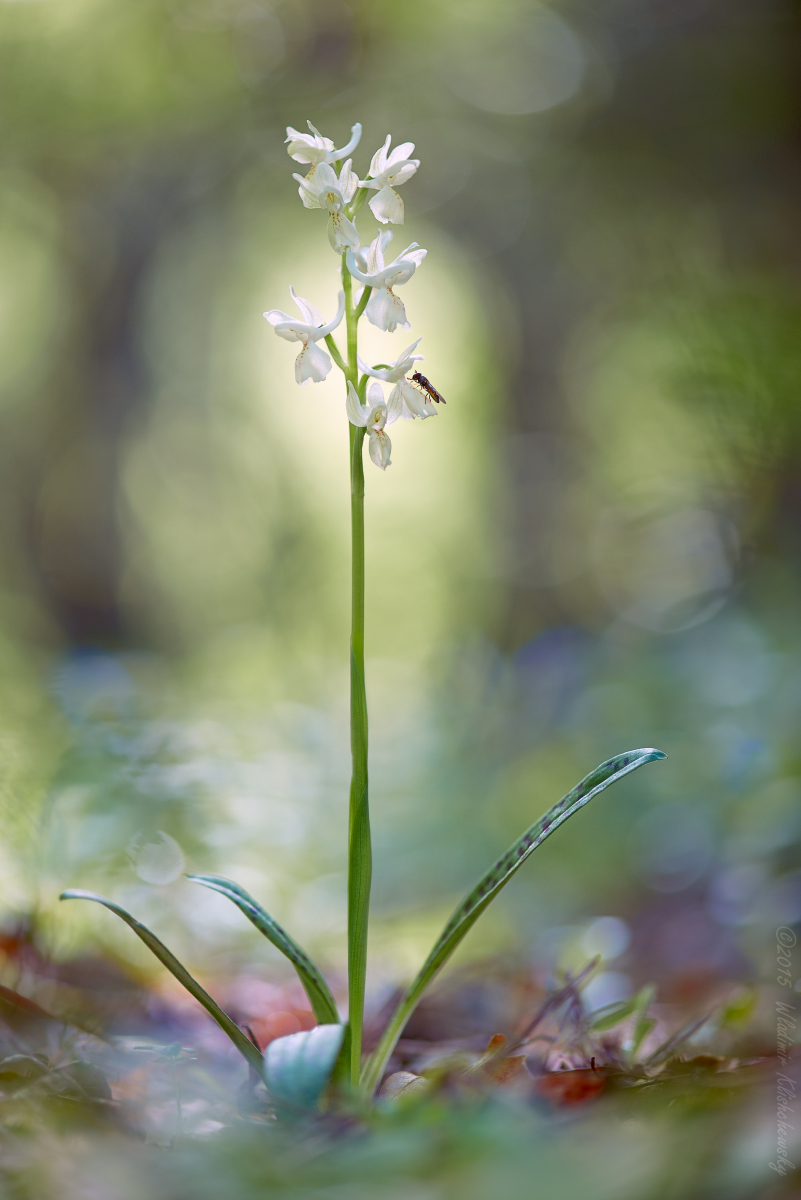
428 387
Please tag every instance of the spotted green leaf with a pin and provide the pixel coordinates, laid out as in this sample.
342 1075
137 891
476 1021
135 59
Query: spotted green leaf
320 998
487 889
241 1041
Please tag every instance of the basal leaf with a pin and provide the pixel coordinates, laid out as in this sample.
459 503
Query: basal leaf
298 1067
165 956
487 889
320 998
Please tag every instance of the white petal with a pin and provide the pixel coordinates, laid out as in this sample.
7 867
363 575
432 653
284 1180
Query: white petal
408 354
312 363
414 400
293 331
355 138
380 449
375 395
276 317
342 233
350 262
395 405
375 255
311 178
398 272
323 143
400 152
324 330
406 171
308 194
387 205
380 157
386 374
361 258
306 149
356 414
386 311
310 314
412 253
347 182
326 178
310 157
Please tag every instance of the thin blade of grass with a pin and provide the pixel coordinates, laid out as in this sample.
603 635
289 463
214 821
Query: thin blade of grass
243 1044
315 987
569 991
487 889
669 1047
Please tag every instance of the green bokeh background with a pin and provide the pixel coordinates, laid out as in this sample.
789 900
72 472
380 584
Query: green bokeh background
594 547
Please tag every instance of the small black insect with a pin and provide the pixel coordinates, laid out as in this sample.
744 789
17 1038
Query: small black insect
427 387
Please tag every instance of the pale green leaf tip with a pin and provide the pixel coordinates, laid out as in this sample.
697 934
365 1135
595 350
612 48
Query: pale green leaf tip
298 1066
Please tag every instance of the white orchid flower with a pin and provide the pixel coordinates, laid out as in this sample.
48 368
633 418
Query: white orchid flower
388 171
414 403
322 189
384 309
312 362
373 416
315 149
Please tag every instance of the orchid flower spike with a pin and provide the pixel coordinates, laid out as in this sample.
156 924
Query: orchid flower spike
384 309
373 416
312 362
322 189
388 171
314 149
414 403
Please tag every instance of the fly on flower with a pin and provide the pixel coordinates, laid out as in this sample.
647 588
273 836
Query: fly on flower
413 403
426 386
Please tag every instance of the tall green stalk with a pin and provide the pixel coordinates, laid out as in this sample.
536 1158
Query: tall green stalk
360 855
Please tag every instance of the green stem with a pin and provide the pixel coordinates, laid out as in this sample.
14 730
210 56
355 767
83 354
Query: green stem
363 302
359 846
352 367
334 352
357 202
